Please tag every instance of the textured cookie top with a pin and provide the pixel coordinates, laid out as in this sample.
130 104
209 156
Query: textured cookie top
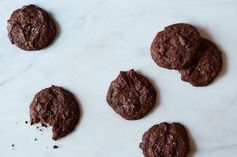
165 140
176 46
56 107
31 28
206 67
131 95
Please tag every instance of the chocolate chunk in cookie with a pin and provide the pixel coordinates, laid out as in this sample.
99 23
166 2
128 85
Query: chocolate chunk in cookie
206 67
131 95
176 46
165 140
31 28
56 107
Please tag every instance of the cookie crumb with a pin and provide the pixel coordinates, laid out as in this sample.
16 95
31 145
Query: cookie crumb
55 147
13 146
35 139
43 125
26 122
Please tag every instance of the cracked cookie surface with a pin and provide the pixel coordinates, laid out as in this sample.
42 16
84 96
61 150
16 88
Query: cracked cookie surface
56 107
131 95
31 28
165 140
206 66
176 46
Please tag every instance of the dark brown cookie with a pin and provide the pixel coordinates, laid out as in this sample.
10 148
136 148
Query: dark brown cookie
31 28
56 107
165 140
206 67
131 95
176 46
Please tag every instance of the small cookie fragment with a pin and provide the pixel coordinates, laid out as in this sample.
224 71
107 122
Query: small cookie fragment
56 107
31 28
176 46
131 95
206 67
165 140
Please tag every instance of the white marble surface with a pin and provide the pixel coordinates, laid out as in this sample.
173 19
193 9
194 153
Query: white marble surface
97 39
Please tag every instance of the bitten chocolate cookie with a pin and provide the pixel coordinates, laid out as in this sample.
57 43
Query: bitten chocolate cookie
165 140
56 107
176 46
131 95
31 28
206 67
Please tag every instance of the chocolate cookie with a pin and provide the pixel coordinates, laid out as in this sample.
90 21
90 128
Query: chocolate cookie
31 28
131 95
165 140
206 67
176 46
56 107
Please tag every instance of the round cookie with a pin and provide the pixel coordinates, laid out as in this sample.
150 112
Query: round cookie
31 28
56 107
206 67
176 46
131 95
165 140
